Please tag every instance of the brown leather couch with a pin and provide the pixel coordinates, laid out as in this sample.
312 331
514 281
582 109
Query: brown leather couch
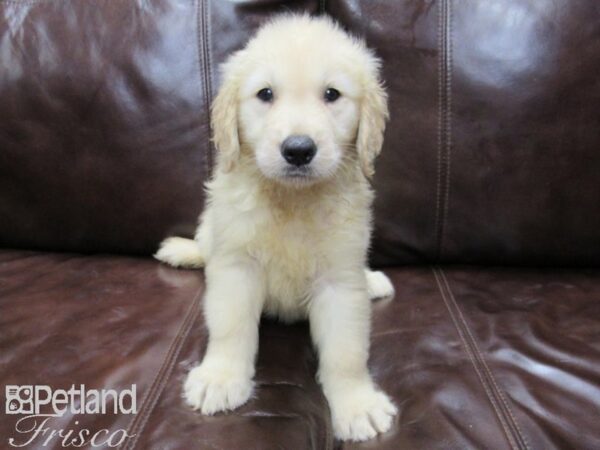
487 221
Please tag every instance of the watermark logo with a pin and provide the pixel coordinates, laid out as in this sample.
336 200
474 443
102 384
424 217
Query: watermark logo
38 404
19 399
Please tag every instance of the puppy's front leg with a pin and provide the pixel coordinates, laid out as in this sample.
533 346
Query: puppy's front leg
340 324
233 304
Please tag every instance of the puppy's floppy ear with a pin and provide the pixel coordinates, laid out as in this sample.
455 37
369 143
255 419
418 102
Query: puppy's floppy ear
373 115
224 120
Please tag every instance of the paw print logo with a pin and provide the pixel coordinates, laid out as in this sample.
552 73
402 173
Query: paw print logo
19 399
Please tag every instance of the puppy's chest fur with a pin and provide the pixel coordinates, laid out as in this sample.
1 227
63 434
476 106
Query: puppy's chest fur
295 239
292 252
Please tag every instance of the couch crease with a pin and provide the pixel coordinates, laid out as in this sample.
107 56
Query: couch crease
514 435
138 423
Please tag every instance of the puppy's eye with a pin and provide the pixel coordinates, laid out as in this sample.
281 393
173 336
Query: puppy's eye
266 95
331 95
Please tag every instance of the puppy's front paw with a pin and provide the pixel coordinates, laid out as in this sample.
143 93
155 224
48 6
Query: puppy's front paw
379 285
211 389
359 414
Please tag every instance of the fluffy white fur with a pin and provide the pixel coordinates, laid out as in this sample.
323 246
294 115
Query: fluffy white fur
286 245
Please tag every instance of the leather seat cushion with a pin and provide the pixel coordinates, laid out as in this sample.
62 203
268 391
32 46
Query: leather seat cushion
475 358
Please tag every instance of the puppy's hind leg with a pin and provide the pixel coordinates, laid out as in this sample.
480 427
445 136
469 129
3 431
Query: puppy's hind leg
180 252
378 284
187 253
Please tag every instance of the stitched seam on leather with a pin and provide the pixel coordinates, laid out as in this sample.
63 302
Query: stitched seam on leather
204 67
23 2
470 352
209 74
439 130
444 122
499 393
322 6
448 143
209 71
138 423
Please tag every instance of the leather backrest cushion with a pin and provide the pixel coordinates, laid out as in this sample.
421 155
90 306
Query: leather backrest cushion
492 154
104 132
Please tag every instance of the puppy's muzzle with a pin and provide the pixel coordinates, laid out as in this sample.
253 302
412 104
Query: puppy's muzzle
298 150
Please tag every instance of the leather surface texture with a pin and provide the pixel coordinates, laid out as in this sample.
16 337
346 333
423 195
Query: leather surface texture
474 357
104 130
487 221
490 156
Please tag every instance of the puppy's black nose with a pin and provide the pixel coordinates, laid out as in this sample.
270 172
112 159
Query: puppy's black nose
298 150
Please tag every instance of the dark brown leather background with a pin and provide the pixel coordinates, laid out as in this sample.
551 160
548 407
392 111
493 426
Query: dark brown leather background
476 358
104 132
493 150
491 155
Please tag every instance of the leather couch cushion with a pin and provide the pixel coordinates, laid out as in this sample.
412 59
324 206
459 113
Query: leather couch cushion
105 322
104 132
475 358
110 322
493 358
491 155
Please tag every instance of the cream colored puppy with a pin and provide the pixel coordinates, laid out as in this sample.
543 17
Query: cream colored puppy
297 123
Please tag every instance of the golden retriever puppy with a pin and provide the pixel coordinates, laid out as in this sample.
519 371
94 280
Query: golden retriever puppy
297 123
